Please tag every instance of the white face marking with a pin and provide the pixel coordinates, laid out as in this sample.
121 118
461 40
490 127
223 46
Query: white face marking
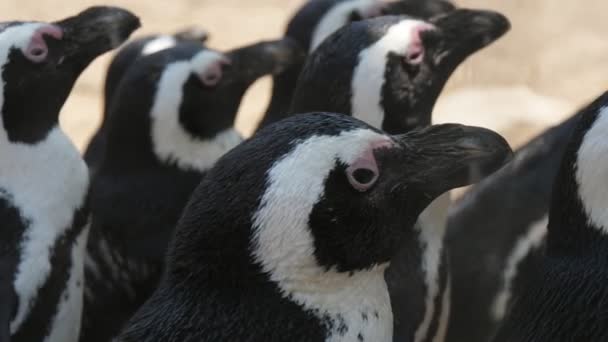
592 172
172 143
283 244
158 44
337 17
368 78
48 182
532 240
66 324
431 224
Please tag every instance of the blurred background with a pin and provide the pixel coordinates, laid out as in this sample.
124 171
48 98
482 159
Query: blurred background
553 60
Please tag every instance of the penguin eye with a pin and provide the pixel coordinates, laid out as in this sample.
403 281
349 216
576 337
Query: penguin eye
355 16
364 172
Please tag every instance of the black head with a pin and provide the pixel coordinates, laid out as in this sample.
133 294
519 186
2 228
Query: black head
142 47
578 219
178 105
40 63
389 71
323 192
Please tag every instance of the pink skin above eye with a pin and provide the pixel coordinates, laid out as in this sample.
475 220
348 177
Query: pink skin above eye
37 50
415 51
212 75
367 167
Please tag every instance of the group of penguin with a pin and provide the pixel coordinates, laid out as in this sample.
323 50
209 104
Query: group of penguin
332 222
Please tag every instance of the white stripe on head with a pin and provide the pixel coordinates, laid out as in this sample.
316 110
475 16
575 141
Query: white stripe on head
592 172
158 44
527 243
284 246
369 75
432 224
171 142
337 17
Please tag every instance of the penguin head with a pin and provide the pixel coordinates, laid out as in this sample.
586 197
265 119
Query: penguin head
183 101
40 63
578 219
317 20
325 192
389 71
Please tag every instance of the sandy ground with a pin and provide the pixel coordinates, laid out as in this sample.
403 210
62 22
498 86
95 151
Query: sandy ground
553 60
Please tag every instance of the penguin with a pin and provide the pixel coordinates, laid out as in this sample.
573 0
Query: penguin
171 119
497 231
288 236
318 19
43 179
120 63
388 72
565 298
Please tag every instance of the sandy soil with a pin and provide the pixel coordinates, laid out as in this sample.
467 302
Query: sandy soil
553 60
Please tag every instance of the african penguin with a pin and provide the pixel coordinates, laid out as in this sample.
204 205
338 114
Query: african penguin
565 298
43 179
171 119
496 231
288 236
318 19
388 72
120 63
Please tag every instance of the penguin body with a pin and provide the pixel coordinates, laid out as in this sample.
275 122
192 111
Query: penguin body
171 119
496 233
120 64
564 299
288 236
316 20
389 72
43 180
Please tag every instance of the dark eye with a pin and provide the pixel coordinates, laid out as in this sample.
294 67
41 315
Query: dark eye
355 16
362 178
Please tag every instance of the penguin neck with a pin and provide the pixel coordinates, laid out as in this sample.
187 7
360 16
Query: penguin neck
283 89
578 220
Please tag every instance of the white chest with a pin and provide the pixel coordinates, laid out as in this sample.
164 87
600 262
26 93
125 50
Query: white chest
47 182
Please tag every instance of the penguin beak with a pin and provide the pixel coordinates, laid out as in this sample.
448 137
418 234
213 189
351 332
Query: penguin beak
423 9
444 157
265 58
463 32
94 31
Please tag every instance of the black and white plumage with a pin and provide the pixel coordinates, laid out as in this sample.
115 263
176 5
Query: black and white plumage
389 72
316 20
565 298
43 180
123 60
288 236
497 231
171 119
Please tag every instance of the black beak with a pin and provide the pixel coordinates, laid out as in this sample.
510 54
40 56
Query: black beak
444 157
266 58
466 31
423 9
95 31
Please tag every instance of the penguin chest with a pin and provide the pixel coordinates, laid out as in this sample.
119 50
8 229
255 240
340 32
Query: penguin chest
47 183
356 307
